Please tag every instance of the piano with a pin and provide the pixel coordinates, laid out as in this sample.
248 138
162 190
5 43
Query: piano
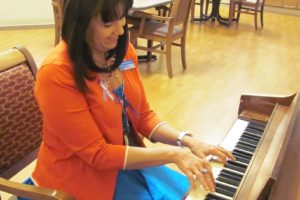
258 139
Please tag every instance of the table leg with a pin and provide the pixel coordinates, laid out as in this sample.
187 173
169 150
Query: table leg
215 14
231 12
202 16
226 21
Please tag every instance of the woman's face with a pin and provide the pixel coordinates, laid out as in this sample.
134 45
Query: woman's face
101 36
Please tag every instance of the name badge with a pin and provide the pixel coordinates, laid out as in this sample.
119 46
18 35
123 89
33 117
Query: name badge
126 65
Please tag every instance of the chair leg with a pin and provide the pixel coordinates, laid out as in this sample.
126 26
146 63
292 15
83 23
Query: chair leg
201 8
168 59
255 19
231 12
238 14
133 39
192 10
162 47
262 16
183 58
206 7
149 53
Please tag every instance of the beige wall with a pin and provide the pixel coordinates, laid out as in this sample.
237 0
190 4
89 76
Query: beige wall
25 12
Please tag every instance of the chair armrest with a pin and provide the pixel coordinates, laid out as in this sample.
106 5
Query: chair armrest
32 192
146 15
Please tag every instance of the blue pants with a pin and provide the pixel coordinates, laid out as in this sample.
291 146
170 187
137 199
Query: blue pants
153 183
28 181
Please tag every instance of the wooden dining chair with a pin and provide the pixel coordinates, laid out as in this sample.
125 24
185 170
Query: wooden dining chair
164 30
20 124
252 7
57 6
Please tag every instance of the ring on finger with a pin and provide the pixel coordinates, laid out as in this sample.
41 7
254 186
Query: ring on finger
203 171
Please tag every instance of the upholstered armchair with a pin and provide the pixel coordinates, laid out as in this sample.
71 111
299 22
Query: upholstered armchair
20 124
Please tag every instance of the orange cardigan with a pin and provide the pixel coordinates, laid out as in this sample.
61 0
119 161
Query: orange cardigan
82 148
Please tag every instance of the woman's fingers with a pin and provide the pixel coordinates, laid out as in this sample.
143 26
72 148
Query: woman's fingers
201 178
228 153
195 169
210 181
203 172
209 172
223 157
222 154
205 178
202 150
191 178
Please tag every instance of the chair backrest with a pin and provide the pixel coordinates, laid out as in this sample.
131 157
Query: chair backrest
20 124
20 119
252 3
58 6
180 11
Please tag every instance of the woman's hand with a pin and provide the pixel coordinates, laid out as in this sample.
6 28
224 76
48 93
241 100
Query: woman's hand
202 149
195 168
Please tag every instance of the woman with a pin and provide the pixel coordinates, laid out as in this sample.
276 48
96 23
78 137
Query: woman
91 96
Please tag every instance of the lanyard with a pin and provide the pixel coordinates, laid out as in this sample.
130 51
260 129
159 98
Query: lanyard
119 91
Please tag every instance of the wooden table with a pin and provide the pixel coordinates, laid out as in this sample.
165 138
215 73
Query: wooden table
146 4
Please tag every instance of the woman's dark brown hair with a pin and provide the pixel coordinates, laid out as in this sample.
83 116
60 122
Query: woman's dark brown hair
77 16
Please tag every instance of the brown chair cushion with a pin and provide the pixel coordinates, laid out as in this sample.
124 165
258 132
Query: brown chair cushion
160 29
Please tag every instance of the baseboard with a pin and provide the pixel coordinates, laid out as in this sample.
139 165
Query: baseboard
273 9
286 11
27 26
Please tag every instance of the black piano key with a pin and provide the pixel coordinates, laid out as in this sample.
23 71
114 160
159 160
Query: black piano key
237 163
244 147
211 196
248 140
260 127
234 175
256 128
227 179
251 146
246 155
227 187
236 166
241 159
251 136
247 144
244 150
255 131
225 190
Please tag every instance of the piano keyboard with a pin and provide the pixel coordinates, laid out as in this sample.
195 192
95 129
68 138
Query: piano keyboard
259 148
242 140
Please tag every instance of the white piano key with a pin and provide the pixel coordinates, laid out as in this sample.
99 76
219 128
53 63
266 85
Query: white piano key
234 134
